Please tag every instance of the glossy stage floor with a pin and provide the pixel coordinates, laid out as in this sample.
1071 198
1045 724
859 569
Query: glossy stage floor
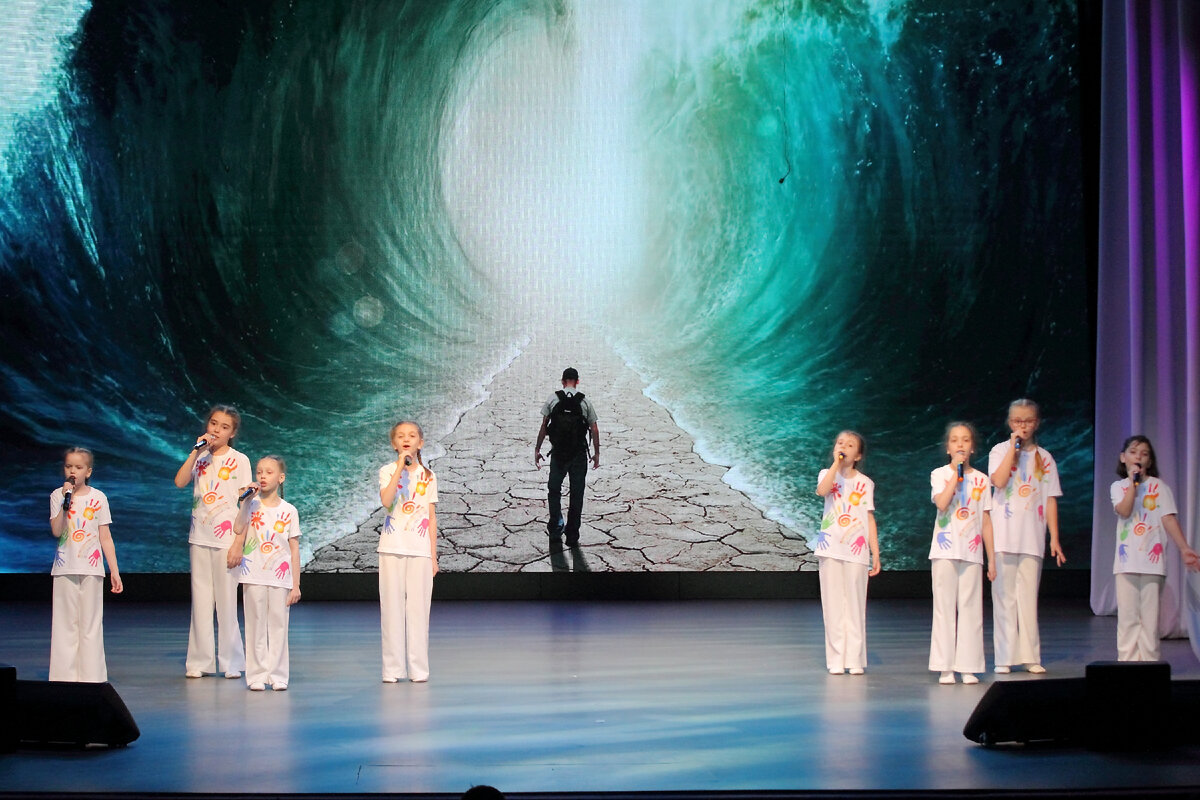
572 697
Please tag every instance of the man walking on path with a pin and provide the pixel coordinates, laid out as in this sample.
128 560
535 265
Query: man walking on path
568 418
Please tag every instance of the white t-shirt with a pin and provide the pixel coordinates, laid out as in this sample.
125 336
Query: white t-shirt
406 528
845 530
79 550
215 488
1141 539
958 531
1019 509
267 556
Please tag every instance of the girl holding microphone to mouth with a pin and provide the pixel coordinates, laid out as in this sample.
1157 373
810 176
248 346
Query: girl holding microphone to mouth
1145 508
1024 507
847 554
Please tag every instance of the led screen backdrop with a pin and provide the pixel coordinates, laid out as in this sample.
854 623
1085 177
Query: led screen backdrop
748 224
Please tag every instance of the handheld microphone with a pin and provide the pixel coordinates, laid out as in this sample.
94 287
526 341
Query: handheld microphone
408 461
67 494
1017 445
1137 476
841 456
960 473
200 445
249 491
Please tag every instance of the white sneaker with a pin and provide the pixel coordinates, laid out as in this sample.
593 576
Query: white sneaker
232 675
1002 670
191 673
857 670
391 680
1035 669
836 671
279 687
257 687
970 678
946 678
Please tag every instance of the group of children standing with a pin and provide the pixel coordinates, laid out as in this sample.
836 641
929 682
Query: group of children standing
243 532
1003 515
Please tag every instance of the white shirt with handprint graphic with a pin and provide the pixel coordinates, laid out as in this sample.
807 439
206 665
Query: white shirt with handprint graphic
267 556
958 531
405 530
78 551
1140 539
1019 509
216 482
845 533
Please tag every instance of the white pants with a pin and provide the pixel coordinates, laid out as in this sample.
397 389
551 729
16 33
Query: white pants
844 606
213 586
77 629
957 641
1014 609
405 591
1137 616
266 611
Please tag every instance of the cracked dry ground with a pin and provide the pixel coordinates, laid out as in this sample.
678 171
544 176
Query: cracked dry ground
652 505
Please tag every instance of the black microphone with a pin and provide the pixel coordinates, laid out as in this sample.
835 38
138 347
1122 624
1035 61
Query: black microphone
1136 476
408 461
200 445
960 473
1018 445
67 494
249 491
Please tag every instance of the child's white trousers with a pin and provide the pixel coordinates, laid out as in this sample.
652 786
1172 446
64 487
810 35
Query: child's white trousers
266 611
405 591
1137 616
844 607
77 629
214 586
957 640
1014 609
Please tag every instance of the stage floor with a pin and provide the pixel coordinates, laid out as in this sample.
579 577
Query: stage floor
571 697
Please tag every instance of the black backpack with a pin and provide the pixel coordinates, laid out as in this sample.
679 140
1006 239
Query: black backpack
568 426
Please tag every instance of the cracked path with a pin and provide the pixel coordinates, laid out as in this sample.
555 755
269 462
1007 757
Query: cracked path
652 505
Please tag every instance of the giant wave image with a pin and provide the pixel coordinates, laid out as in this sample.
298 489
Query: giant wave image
788 217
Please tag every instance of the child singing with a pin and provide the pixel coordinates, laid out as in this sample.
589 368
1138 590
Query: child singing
1024 507
266 551
407 556
80 519
962 535
218 474
847 554
1145 508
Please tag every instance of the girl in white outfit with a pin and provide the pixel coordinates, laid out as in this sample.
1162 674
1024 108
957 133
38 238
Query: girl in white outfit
407 556
79 518
266 553
962 535
847 554
218 475
1024 507
1145 508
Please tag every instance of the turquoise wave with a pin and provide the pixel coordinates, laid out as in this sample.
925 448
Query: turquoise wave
791 217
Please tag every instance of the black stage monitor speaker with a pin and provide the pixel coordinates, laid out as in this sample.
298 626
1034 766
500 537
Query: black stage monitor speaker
59 712
1129 705
1025 711
1118 706
8 693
